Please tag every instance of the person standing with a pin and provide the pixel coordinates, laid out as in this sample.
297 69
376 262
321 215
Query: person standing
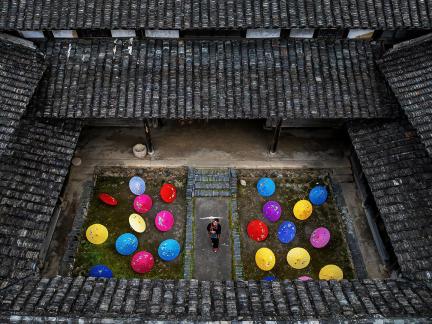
214 230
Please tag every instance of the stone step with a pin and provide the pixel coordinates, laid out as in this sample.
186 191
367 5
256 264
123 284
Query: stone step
212 178
212 193
212 185
225 172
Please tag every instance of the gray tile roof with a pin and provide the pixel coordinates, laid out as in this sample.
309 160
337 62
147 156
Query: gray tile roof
21 68
399 173
408 70
32 172
212 79
189 14
138 300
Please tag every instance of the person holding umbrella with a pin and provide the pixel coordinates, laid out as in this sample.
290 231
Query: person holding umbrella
214 230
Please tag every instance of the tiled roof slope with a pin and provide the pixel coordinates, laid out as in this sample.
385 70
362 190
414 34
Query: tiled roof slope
138 300
32 172
408 69
21 68
212 79
399 173
190 14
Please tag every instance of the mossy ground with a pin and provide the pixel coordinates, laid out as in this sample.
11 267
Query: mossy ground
291 186
116 219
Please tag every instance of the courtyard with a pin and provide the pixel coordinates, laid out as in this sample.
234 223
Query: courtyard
199 156
115 219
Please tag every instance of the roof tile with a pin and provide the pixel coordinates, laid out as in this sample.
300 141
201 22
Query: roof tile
212 79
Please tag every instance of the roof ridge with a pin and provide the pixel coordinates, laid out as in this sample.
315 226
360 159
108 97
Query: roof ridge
18 41
409 43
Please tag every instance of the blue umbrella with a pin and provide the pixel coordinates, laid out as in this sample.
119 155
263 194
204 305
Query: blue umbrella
137 185
169 250
270 278
318 195
100 271
126 244
266 187
286 232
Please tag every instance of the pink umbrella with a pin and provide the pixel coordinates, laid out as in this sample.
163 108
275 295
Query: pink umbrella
143 203
304 278
142 262
320 237
164 220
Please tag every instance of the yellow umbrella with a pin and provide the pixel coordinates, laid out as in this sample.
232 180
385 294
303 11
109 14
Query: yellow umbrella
331 272
302 209
137 223
265 259
298 258
97 233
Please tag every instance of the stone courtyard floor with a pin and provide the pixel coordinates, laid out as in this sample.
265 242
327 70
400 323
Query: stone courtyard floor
210 265
217 144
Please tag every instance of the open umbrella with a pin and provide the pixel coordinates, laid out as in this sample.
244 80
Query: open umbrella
97 233
298 258
302 209
318 195
137 185
265 259
168 193
164 220
142 262
331 272
272 211
286 232
107 199
137 223
257 230
169 250
100 271
320 237
266 187
142 203
126 244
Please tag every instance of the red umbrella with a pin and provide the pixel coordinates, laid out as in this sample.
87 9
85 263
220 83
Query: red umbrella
257 230
168 193
108 199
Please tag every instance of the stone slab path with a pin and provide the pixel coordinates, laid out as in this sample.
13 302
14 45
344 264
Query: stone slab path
209 265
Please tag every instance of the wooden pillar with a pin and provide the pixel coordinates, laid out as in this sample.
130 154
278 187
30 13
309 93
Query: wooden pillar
276 134
149 144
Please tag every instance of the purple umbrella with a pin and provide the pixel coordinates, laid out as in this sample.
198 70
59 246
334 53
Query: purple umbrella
272 211
320 237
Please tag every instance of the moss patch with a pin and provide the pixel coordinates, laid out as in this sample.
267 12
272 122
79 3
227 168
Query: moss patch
116 219
291 186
